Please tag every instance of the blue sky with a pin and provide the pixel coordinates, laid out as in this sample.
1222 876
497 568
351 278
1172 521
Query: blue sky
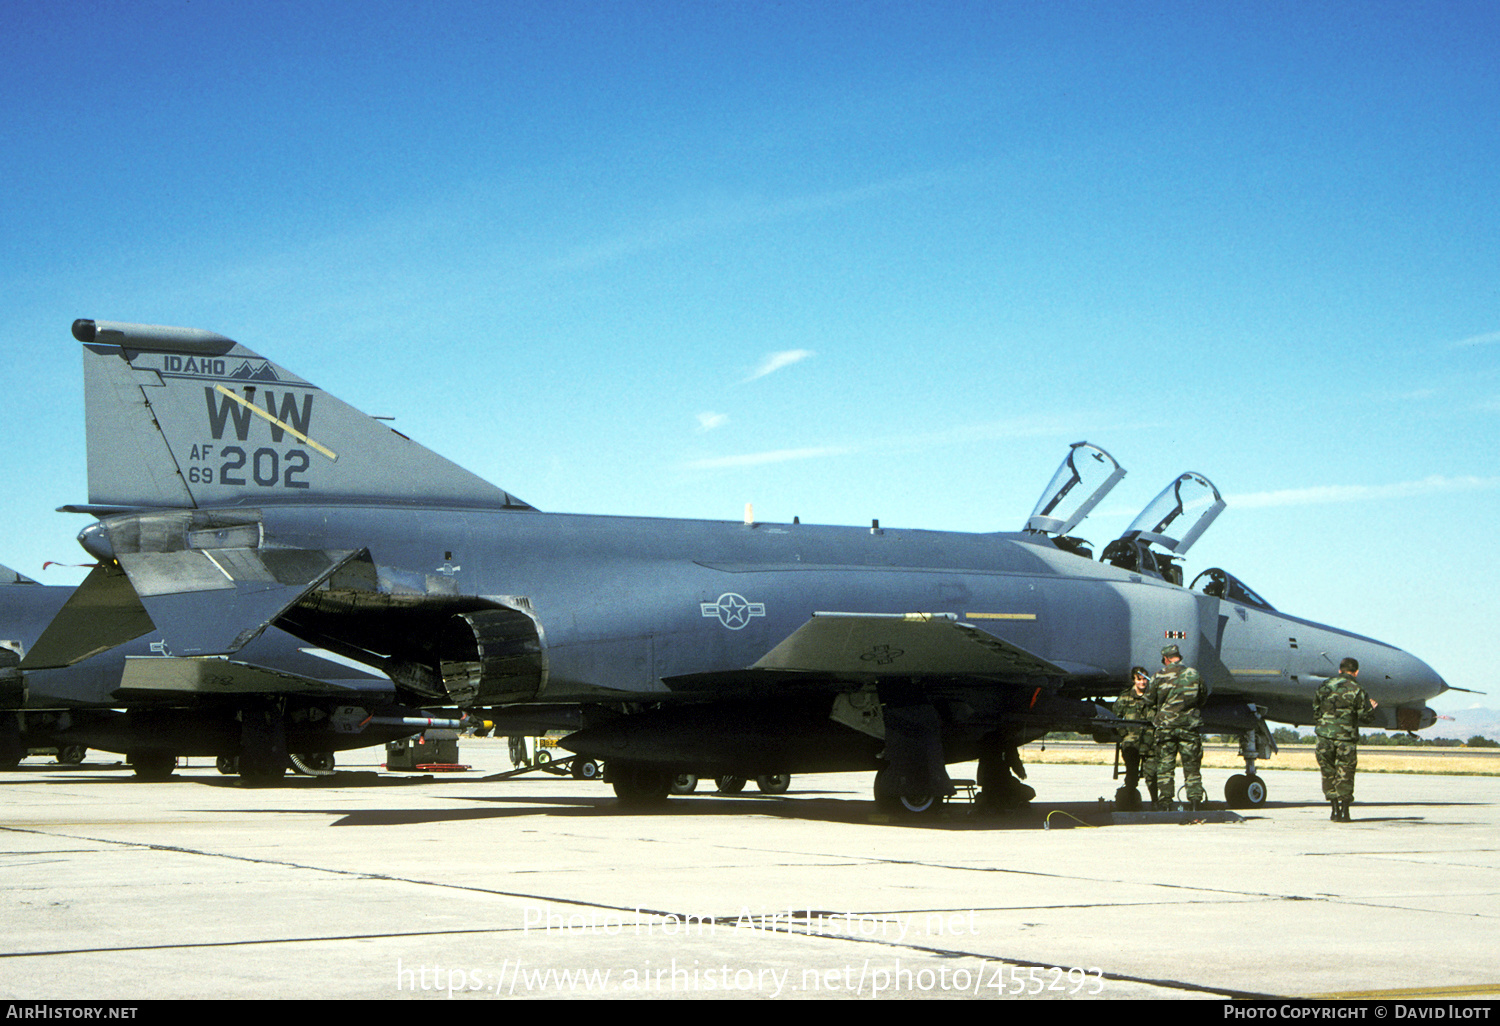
840 260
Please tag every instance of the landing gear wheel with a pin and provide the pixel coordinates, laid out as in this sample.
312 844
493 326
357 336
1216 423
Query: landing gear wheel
730 785
1128 799
313 764
909 805
71 755
684 783
641 784
1244 792
774 783
229 765
587 769
152 765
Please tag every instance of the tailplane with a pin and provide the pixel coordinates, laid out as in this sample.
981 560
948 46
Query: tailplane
182 418
9 576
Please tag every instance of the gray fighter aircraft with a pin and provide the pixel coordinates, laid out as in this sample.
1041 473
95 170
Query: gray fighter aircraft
279 700
232 497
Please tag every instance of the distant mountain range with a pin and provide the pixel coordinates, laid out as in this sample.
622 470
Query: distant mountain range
1466 723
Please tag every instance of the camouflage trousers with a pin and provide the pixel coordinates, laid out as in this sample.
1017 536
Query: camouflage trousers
1337 760
1188 744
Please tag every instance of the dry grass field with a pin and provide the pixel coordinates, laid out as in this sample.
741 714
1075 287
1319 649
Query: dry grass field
1372 758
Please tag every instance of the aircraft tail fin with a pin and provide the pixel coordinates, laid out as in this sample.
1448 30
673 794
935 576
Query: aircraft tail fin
184 418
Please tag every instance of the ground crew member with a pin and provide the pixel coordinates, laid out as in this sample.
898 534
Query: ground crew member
1177 693
1341 705
1136 743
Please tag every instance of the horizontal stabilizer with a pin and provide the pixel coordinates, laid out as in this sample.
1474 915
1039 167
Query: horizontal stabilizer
200 602
860 645
104 611
9 576
213 602
203 676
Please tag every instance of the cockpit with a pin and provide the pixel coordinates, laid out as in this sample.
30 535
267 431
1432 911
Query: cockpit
1175 519
1172 521
1221 584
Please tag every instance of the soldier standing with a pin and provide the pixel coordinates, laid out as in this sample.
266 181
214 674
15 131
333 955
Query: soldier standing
1178 693
1341 705
1136 742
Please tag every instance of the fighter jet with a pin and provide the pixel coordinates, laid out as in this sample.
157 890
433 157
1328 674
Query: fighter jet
280 702
232 497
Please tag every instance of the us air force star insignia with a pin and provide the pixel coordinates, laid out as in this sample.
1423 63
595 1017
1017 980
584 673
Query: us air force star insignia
732 610
883 655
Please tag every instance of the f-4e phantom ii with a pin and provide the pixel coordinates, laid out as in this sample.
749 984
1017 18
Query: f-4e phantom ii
280 701
232 496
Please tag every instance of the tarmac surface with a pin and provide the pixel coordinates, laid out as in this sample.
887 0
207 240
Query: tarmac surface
369 884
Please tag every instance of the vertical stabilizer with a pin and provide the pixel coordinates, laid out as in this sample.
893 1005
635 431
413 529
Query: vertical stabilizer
179 417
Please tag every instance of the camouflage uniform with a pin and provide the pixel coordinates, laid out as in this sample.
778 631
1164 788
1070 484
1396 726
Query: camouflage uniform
1178 692
1340 705
1136 743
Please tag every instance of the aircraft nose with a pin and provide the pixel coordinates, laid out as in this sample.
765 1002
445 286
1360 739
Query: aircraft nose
1415 678
1428 678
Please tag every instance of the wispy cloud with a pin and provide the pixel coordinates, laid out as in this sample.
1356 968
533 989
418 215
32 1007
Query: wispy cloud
775 361
1323 494
714 214
1489 338
707 421
755 459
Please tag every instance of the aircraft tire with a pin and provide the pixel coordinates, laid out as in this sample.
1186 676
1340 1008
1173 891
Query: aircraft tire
909 806
774 783
256 770
71 755
229 765
1128 799
684 783
1244 792
730 785
641 783
587 769
152 766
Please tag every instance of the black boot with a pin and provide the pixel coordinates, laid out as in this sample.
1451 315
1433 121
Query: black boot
1333 815
1344 804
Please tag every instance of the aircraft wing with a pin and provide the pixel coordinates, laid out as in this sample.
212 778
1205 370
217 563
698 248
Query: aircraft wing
902 644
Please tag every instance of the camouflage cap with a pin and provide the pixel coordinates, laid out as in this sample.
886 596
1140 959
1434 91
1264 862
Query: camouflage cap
1170 650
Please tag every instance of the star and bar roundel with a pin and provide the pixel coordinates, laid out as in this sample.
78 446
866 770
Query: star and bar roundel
732 610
